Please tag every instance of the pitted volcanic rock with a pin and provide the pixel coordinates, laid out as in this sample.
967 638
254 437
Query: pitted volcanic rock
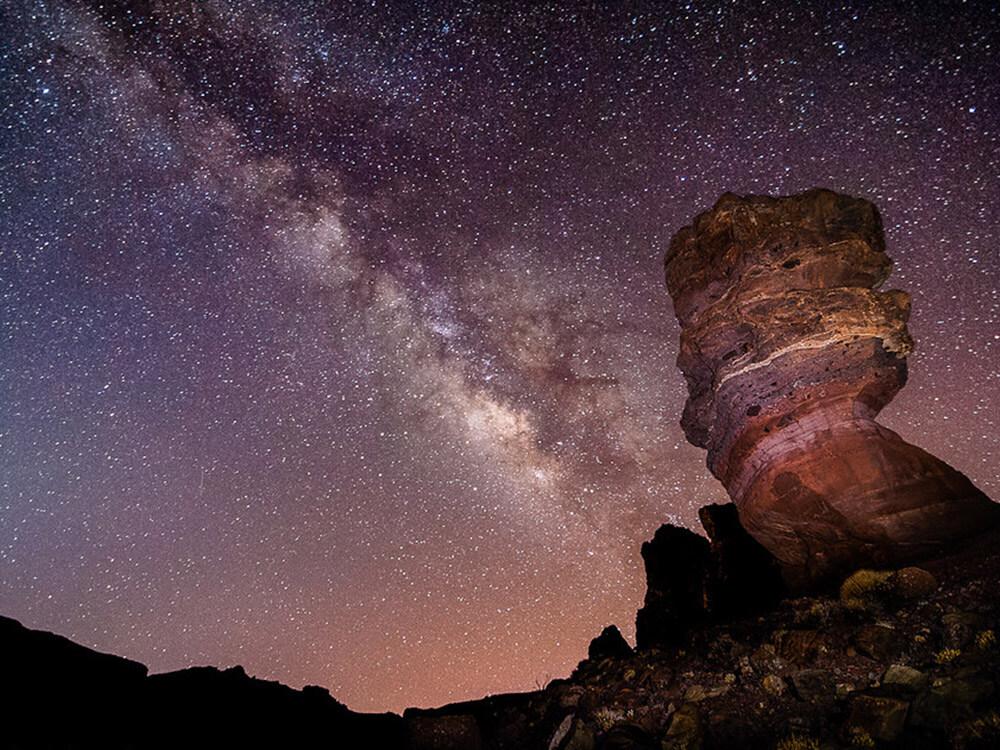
790 352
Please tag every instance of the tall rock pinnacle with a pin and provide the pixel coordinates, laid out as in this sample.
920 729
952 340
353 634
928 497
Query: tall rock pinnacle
790 353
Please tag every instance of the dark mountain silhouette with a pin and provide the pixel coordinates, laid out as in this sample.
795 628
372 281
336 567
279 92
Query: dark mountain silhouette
58 694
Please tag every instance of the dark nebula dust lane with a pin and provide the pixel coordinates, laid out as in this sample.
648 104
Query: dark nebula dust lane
335 342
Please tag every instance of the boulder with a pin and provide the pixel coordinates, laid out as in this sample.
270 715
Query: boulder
609 644
914 583
878 642
880 717
685 731
907 678
812 685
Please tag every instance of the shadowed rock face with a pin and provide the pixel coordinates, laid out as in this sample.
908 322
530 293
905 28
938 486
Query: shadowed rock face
790 352
691 581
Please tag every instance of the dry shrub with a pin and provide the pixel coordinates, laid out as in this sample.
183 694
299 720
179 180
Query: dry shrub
797 742
866 591
979 733
947 655
985 640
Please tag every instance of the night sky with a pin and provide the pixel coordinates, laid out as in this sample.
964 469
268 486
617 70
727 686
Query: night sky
334 336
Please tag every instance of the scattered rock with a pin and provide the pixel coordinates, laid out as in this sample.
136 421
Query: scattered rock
661 677
978 733
627 737
695 693
843 690
569 696
964 619
961 627
801 646
581 737
765 659
562 731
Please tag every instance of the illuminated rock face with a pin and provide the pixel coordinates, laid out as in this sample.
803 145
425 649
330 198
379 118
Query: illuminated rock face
789 354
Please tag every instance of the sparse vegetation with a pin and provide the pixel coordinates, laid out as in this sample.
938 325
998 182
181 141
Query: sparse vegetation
979 733
819 613
866 591
860 738
798 742
947 655
609 717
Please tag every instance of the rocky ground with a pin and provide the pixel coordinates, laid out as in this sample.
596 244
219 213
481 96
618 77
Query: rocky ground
905 658
908 659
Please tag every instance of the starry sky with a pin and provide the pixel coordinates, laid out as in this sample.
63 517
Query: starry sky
334 336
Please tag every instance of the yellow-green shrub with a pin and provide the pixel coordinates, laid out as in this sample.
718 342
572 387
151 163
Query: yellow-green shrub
797 742
978 733
947 655
866 590
860 738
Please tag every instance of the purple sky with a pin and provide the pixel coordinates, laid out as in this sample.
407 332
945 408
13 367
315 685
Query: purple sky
334 337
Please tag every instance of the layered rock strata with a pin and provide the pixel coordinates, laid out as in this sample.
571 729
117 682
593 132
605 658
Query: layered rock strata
790 352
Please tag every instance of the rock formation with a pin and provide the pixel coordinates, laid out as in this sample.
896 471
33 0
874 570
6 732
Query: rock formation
789 353
610 644
691 581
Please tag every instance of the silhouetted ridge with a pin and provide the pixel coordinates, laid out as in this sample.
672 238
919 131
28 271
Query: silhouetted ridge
57 694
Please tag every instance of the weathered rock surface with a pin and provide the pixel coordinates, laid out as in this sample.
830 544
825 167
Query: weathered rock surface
790 352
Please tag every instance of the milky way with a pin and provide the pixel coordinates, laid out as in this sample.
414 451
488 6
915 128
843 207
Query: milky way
335 342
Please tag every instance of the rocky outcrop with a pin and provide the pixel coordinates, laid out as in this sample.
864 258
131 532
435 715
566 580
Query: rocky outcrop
676 573
691 580
790 352
610 644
